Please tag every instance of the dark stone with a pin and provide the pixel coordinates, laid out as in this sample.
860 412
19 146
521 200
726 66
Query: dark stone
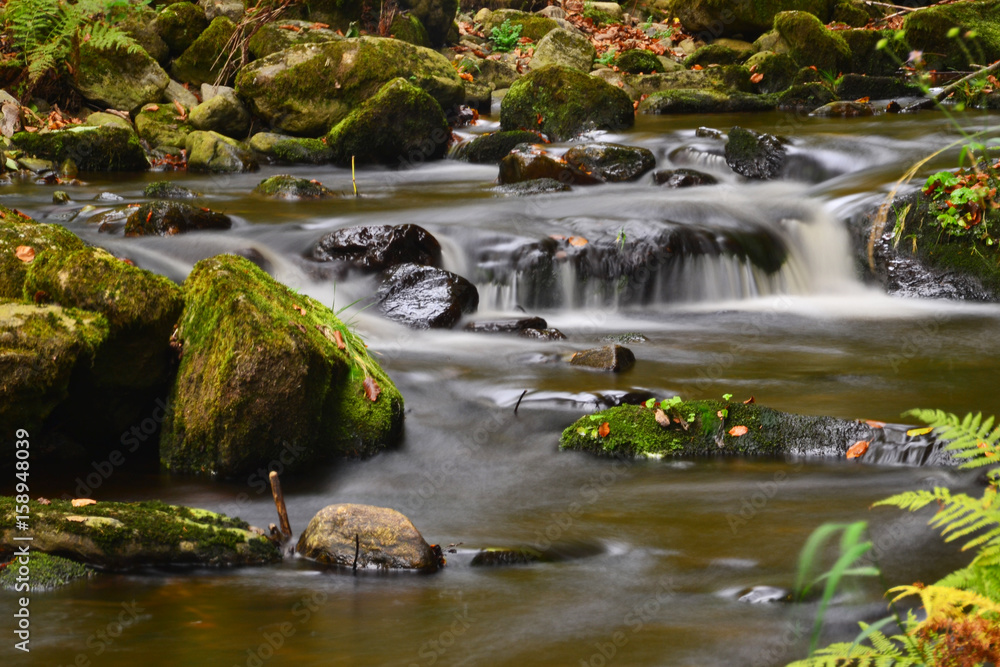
754 155
611 163
856 86
379 247
168 190
165 218
537 186
506 326
426 297
682 178
530 162
500 557
613 358
494 147
804 97
542 334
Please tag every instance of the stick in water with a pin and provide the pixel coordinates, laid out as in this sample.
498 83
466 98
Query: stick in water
353 181
357 550
279 502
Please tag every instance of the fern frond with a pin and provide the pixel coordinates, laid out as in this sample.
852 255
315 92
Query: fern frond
971 439
946 602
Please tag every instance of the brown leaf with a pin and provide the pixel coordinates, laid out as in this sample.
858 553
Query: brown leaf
25 253
737 431
82 502
604 430
875 424
339 338
41 296
661 418
750 401
152 107
858 449
372 390
43 501
863 100
302 311
756 78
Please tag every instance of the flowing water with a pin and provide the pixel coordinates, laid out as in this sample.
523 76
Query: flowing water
652 557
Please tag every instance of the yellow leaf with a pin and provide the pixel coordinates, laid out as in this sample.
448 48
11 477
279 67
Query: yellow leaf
914 432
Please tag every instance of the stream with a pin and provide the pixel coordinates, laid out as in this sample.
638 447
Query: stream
650 557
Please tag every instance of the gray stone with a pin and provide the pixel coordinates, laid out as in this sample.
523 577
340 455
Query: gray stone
222 113
562 47
613 358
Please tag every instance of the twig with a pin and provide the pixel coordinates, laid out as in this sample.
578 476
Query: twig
885 4
519 400
357 550
354 181
279 502
949 89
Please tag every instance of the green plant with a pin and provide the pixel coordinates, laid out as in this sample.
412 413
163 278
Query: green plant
596 15
607 57
965 198
506 36
46 31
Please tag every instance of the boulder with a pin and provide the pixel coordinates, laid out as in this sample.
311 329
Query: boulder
563 102
223 113
176 92
285 186
528 162
497 73
47 573
754 155
378 247
166 218
611 163
365 537
727 79
694 101
506 556
682 178
811 43
233 10
408 28
777 71
20 231
533 26
309 88
179 25
162 125
200 62
400 125
867 58
844 109
493 147
168 190
638 61
272 38
119 79
267 373
211 152
103 148
855 86
708 19
804 97
138 24
425 297
99 118
713 54
122 536
613 358
282 149
437 16
928 30
566 49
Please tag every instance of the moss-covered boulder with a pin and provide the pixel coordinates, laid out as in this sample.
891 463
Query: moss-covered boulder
713 54
611 163
167 218
211 152
200 62
688 101
408 28
748 18
168 190
804 97
285 186
274 37
493 147
710 428
46 572
927 30
40 348
179 25
119 79
268 373
103 148
638 61
811 43
222 113
400 125
777 71
364 536
122 536
533 26
726 79
562 103
19 231
436 16
307 89
867 58
99 118
855 86
566 49
283 149
162 125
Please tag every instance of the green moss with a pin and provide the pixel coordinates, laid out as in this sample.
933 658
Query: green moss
408 28
812 43
17 230
104 148
804 97
777 70
160 125
46 572
211 152
285 186
493 147
272 38
200 62
117 78
180 24
533 26
636 61
290 150
168 190
852 13
713 54
927 31
683 101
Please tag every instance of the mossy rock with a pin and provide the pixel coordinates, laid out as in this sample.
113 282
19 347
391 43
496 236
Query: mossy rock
179 25
927 31
118 79
222 113
804 97
638 61
307 89
17 230
167 218
283 149
852 13
812 43
723 79
533 26
400 125
122 536
502 557
140 307
564 48
707 19
436 16
687 101
714 54
168 190
777 71
47 572
633 430
285 186
200 62
339 14
408 28
867 58
562 103
262 376
493 147
103 148
40 349
99 118
211 152
160 125
272 38
611 163
139 25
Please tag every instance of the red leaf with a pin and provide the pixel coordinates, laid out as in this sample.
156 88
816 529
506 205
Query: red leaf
372 390
737 431
858 449
604 430
25 253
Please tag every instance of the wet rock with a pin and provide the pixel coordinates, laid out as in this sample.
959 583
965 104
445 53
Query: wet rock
765 594
634 431
562 103
566 49
161 125
47 573
179 25
379 247
401 125
696 101
168 190
504 557
754 155
118 79
531 162
284 186
510 326
611 163
166 218
383 539
122 536
307 89
536 186
742 17
103 148
856 86
844 110
542 334
282 149
211 152
112 220
613 358
682 178
638 61
272 38
533 26
266 373
425 297
628 337
493 147
223 113
200 62
60 197
811 43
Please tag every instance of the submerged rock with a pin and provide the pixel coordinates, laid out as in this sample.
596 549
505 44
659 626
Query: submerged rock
504 557
536 186
379 247
101 148
425 297
754 155
844 110
283 149
506 326
122 536
268 373
613 358
285 186
682 178
166 218
381 537
529 162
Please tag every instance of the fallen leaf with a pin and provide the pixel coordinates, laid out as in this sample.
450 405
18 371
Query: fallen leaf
875 424
44 501
914 432
604 430
577 241
41 296
302 311
661 418
339 338
77 519
750 401
180 110
863 100
540 119
25 253
372 390
152 107
697 68
756 78
83 502
720 414
858 449
737 431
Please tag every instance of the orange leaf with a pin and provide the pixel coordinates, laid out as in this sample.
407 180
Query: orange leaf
858 449
697 68
750 401
302 311
466 76
83 502
604 430
578 241
875 424
737 431
337 336
372 390
25 253
757 78
152 107
863 100
539 119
